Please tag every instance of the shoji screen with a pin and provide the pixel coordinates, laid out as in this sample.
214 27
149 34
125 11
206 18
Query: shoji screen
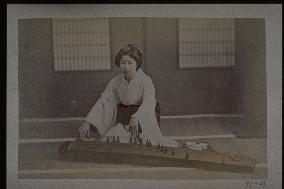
81 44
206 42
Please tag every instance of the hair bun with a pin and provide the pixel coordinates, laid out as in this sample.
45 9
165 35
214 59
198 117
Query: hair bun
132 45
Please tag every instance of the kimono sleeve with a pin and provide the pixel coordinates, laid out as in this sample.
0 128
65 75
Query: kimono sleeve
103 113
109 93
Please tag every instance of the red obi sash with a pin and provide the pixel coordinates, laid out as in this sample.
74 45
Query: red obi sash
126 106
124 112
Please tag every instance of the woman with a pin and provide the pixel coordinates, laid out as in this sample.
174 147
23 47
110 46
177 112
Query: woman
132 87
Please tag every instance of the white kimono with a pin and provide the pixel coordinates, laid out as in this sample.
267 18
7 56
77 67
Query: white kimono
140 90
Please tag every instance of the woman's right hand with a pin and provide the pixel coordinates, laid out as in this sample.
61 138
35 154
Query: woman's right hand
84 130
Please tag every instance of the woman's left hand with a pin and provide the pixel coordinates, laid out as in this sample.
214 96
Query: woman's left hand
133 122
133 125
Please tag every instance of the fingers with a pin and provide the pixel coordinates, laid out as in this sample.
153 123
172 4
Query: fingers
133 131
85 133
84 130
82 133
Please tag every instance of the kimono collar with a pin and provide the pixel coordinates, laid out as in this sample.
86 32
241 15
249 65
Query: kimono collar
139 74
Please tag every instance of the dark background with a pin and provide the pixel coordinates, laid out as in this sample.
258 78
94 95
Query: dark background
44 93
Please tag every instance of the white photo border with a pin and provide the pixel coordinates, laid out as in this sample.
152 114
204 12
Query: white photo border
273 21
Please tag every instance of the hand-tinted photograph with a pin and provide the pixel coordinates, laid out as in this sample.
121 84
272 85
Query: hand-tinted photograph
142 98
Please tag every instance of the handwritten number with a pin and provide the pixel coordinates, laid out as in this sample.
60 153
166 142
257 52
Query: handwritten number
255 184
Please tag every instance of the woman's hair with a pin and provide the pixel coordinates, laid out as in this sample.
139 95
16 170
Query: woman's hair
132 50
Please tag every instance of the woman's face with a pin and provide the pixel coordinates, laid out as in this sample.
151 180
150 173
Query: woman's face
128 66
